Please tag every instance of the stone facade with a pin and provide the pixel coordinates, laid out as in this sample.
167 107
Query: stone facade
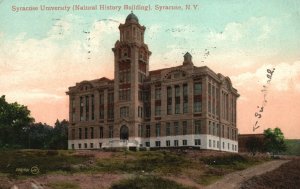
181 106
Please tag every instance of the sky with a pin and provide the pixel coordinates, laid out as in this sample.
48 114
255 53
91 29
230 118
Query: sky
42 53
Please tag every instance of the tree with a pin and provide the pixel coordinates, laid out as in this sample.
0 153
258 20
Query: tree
274 141
59 139
15 120
39 136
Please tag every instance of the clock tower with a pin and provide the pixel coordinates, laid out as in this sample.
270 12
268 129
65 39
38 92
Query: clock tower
131 61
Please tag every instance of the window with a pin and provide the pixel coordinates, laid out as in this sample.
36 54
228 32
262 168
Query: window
176 128
185 107
228 146
168 143
157 143
197 88
184 127
228 132
213 109
140 131
111 132
177 99
185 98
157 93
81 109
87 108
73 116
110 107
223 145
85 145
148 131
147 144
79 146
223 135
157 110
93 107
101 132
124 111
169 92
184 142
197 126
175 142
168 129
85 133
177 91
101 108
209 97
91 145
169 100
124 94
101 98
157 129
214 143
232 147
139 111
197 106
100 145
177 108
80 133
124 75
197 142
92 132
185 90
218 144
209 143
197 97
73 146
169 109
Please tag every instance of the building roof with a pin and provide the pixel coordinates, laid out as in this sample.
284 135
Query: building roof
132 18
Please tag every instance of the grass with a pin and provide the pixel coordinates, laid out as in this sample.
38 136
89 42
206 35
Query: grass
218 166
208 179
147 182
63 185
20 162
201 169
159 162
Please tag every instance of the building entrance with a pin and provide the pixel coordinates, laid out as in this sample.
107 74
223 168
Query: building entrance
124 133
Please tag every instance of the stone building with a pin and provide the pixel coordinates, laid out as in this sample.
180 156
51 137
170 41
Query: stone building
181 106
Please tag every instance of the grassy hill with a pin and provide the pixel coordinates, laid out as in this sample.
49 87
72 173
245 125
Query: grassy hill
125 169
293 147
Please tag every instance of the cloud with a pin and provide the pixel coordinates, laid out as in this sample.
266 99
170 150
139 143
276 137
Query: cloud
244 34
46 64
286 77
31 96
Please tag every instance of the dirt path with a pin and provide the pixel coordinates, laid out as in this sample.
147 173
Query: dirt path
233 180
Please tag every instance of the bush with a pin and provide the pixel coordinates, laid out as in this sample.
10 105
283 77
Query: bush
149 182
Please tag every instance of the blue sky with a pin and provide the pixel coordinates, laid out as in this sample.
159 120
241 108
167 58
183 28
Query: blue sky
42 53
